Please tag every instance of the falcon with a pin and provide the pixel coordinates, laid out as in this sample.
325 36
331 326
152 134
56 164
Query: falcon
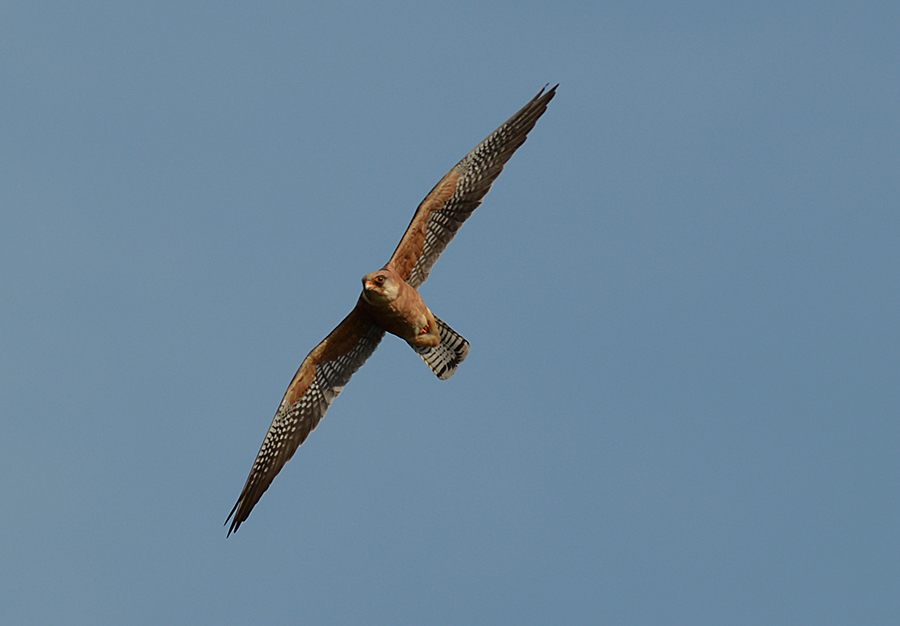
390 303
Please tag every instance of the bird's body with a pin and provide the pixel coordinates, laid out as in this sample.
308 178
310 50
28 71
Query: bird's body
390 303
399 309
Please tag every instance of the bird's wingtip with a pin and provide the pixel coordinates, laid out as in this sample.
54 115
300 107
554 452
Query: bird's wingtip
234 522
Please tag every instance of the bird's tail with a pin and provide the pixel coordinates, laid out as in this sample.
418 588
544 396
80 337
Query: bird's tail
444 358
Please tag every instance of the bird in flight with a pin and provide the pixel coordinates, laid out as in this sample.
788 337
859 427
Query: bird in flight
390 303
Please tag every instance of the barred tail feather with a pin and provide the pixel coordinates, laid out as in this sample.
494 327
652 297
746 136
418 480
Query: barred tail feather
444 358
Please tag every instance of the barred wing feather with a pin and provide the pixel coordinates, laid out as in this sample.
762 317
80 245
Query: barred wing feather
460 192
320 380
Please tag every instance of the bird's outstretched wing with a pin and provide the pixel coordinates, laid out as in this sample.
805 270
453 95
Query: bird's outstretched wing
320 379
459 193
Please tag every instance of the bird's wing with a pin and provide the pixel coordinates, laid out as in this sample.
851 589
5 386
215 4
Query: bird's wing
320 379
459 193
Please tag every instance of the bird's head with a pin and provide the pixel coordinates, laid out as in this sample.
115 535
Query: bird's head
380 287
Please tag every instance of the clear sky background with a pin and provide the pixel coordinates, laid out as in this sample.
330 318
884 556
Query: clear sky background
681 404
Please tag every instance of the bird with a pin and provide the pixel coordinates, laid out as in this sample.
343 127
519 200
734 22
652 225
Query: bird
390 303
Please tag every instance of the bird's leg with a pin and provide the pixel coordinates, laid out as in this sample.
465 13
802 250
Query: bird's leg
428 335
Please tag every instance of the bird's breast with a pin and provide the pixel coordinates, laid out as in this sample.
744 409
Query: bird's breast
405 316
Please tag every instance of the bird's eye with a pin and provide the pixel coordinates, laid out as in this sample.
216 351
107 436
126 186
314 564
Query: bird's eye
379 280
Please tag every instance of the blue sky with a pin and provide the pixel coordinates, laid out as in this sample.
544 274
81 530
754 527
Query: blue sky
681 404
